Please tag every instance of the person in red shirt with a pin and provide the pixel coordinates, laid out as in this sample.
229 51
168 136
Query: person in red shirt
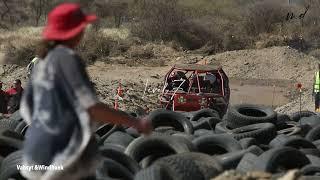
3 100
14 96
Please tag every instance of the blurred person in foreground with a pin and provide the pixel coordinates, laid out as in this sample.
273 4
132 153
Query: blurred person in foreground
3 100
61 106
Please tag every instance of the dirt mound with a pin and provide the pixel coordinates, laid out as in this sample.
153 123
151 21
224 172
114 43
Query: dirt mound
269 63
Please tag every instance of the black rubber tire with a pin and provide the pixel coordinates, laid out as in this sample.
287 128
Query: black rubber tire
291 141
216 144
231 160
222 128
247 114
121 158
310 170
163 117
111 169
205 113
132 132
312 121
206 123
247 142
280 159
119 138
146 146
16 116
247 162
310 151
290 128
155 172
8 124
263 132
296 116
202 132
10 142
314 134
191 166
20 127
105 129
314 160
317 143
184 135
282 120
9 166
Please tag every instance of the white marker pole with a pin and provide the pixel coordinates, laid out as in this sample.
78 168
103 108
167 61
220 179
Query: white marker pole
145 89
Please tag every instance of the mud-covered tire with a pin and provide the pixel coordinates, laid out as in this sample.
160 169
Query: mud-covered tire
216 144
9 166
296 116
191 166
163 117
280 159
204 113
146 146
121 158
246 114
313 134
263 132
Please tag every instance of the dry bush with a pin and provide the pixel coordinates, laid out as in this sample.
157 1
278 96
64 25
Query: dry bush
263 15
20 54
315 53
141 52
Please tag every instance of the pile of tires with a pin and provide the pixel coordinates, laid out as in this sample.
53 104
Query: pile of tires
194 145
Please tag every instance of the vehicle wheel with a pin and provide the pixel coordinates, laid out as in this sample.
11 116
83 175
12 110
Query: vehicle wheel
310 170
145 146
205 113
119 138
111 169
291 141
313 134
245 114
121 158
216 144
280 159
247 142
9 166
155 172
162 117
263 132
8 124
297 116
191 166
10 142
222 127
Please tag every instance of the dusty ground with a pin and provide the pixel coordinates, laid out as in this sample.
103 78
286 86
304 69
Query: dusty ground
265 76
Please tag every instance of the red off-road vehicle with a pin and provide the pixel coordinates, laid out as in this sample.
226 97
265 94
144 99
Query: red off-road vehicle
191 87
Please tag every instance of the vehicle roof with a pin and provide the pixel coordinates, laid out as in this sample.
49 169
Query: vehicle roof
199 67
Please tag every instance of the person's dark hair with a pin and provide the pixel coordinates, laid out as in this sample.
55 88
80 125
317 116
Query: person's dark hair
45 47
17 81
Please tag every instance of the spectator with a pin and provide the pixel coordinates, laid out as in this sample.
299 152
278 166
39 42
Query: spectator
3 100
14 96
61 106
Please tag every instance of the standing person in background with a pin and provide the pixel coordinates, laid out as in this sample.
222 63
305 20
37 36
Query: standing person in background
61 106
3 100
14 96
316 89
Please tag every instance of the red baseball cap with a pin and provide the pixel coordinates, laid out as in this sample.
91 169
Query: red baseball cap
66 21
